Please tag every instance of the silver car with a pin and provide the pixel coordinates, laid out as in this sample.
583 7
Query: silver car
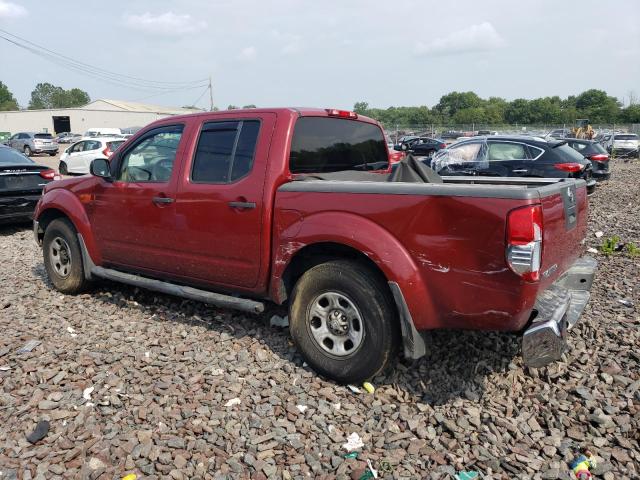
30 143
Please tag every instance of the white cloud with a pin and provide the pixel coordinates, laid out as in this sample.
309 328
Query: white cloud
248 53
476 38
291 43
165 24
11 10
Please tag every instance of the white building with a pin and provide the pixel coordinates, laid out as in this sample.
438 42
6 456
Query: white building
99 113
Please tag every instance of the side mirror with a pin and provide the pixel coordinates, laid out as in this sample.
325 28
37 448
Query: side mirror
404 147
100 168
397 148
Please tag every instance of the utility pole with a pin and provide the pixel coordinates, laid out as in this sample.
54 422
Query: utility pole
210 95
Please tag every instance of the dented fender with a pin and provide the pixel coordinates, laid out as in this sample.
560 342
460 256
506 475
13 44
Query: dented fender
293 232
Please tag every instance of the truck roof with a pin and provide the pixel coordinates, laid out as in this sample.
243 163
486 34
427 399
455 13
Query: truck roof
292 111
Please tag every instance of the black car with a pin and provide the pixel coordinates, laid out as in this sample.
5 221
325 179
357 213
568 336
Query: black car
423 146
594 152
21 184
513 156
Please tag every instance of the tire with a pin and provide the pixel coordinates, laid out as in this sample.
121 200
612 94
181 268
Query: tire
27 151
63 258
352 290
53 154
62 168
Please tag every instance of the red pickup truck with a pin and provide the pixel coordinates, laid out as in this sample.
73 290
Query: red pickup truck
240 207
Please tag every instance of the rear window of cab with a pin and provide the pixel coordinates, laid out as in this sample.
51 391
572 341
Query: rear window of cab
323 145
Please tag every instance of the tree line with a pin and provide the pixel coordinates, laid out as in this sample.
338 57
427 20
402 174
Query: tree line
45 95
467 108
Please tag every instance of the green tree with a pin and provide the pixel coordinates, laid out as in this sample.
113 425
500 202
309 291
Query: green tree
597 106
631 114
251 105
361 108
450 103
7 100
46 95
518 111
232 107
470 115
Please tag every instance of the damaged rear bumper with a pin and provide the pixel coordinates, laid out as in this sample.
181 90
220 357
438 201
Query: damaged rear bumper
557 310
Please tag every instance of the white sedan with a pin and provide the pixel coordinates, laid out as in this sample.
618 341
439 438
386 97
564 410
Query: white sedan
78 157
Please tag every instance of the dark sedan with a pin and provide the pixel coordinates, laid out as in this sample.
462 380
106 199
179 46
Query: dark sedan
513 156
423 146
21 184
594 152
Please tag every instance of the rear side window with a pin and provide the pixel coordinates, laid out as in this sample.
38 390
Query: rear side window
506 151
322 145
225 151
568 154
113 146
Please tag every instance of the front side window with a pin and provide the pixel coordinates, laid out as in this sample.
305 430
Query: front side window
78 147
322 145
225 151
151 159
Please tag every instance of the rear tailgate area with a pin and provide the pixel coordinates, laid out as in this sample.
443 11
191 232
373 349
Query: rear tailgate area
564 211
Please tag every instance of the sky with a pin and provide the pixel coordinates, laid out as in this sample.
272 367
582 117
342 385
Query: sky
329 53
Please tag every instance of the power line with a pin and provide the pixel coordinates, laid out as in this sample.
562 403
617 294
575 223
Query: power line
97 72
201 95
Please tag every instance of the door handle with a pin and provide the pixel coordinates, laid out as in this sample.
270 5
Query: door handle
162 200
520 171
243 205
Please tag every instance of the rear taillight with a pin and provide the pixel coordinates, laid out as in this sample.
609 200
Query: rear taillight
49 174
599 157
524 241
570 167
334 112
106 152
443 145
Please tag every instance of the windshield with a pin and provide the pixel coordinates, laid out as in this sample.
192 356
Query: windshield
568 154
626 137
43 135
9 156
322 145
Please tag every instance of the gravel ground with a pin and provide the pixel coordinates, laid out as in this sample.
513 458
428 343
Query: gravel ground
132 381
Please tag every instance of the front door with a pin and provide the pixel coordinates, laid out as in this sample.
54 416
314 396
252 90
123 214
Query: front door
134 215
220 205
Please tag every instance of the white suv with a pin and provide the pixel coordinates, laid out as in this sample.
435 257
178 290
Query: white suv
78 157
624 144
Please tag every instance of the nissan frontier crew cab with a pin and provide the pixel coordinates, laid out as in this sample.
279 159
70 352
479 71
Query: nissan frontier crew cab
296 206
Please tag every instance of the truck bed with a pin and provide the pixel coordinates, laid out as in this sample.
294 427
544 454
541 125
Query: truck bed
453 234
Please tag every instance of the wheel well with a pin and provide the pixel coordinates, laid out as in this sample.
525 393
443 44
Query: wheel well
46 218
312 255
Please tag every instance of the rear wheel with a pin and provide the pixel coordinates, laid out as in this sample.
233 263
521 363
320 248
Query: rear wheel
27 151
62 168
52 154
343 321
63 257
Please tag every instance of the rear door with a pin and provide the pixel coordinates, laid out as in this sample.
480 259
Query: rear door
220 203
511 159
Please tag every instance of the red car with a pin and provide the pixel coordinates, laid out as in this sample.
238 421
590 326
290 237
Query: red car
240 207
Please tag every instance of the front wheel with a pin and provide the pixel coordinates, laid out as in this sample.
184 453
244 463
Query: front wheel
62 257
53 154
343 321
